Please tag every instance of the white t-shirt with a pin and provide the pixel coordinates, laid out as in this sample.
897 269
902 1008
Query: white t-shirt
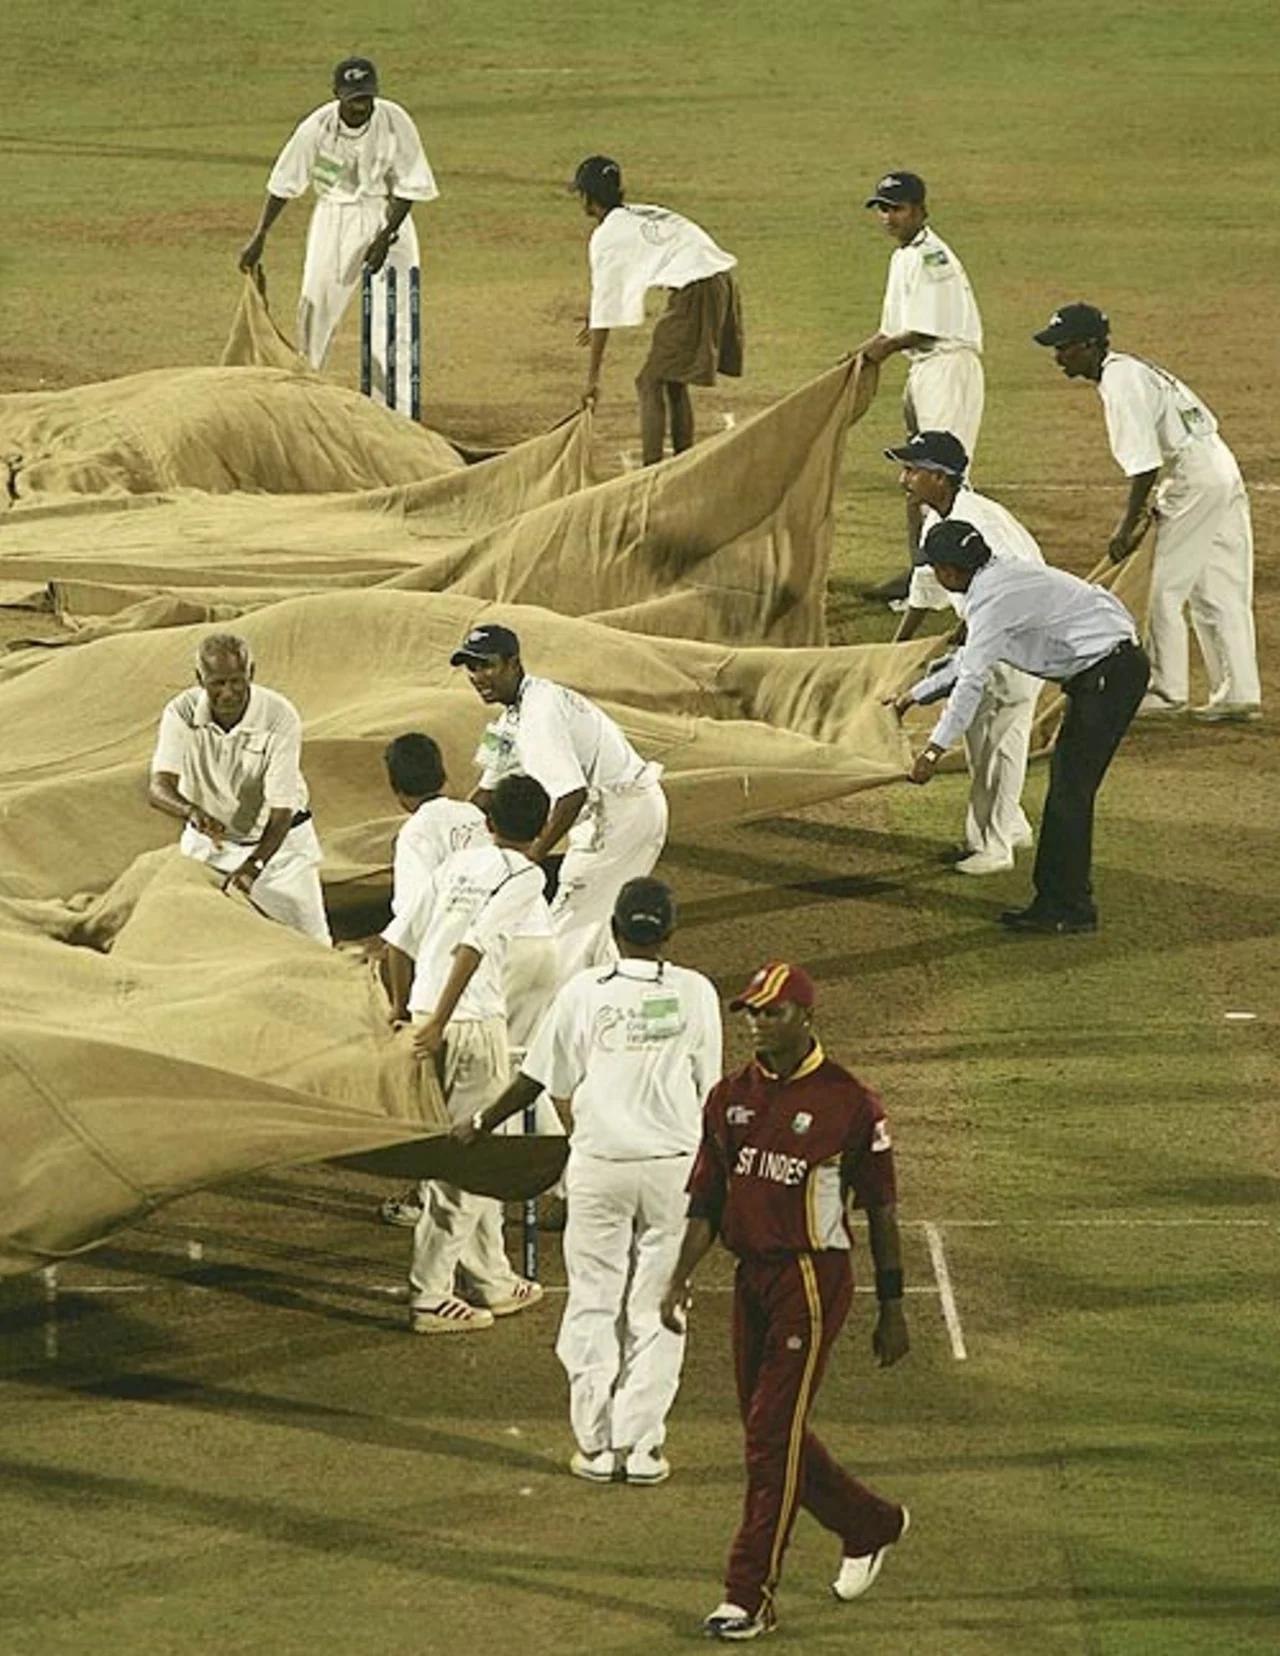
437 829
635 248
637 1047
563 740
1153 419
927 292
346 164
240 775
480 897
999 528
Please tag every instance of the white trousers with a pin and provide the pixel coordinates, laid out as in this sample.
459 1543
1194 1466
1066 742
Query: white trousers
458 1227
1203 562
337 239
945 391
996 745
621 1241
530 978
618 837
287 890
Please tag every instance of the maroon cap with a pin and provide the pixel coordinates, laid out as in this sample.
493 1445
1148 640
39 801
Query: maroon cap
773 985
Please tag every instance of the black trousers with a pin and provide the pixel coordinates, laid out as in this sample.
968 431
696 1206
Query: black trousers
1101 703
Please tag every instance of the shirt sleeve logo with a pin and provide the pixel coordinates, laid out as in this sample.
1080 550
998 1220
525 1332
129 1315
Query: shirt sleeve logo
880 1139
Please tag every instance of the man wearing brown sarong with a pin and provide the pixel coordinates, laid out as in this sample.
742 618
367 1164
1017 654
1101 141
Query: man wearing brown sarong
635 248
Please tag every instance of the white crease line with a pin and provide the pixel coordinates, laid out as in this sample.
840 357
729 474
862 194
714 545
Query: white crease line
396 1290
50 1275
933 1236
1099 1224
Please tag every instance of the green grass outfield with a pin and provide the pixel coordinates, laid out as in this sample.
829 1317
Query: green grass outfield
243 1452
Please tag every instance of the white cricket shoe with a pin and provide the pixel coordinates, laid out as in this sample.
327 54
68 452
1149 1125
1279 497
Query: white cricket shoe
731 1621
647 1466
450 1315
985 862
403 1210
524 1293
857 1575
1228 713
1154 705
602 1467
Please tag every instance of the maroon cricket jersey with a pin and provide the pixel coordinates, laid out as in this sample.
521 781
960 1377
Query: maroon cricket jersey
778 1157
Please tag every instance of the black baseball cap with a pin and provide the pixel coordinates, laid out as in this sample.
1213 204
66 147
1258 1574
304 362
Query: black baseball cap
1072 323
355 77
940 451
487 643
599 177
644 911
956 544
895 189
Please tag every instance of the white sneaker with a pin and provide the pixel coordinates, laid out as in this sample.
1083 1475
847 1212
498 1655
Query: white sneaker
731 1621
403 1210
602 1467
1023 837
1228 713
857 1575
647 1466
449 1316
523 1294
985 862
1155 705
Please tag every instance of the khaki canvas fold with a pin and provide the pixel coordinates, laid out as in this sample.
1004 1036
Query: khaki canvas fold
159 1035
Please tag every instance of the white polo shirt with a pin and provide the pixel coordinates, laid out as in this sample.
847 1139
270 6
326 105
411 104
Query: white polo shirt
1154 420
637 1047
635 248
1002 532
927 292
479 897
240 775
434 831
345 164
564 741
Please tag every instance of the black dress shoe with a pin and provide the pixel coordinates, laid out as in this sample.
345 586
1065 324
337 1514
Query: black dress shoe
1042 920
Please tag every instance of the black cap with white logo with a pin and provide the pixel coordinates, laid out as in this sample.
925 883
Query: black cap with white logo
355 77
1072 324
489 643
895 189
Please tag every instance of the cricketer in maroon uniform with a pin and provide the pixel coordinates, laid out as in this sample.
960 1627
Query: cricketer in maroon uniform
791 1145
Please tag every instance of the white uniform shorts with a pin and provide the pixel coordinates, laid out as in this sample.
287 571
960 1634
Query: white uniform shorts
945 391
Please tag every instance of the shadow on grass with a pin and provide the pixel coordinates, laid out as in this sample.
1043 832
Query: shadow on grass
404 1546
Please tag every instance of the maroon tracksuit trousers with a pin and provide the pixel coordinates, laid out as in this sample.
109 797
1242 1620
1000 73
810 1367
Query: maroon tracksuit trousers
787 1311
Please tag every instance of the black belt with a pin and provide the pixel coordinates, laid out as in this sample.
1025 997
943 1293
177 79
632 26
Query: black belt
1082 679
298 818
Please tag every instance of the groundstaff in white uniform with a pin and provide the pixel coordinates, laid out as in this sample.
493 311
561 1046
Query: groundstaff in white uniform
437 827
362 156
636 247
634 1048
996 743
445 963
1165 440
930 315
228 762
603 794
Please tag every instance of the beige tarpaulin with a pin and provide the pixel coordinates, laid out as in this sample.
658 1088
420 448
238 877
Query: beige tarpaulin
231 487
160 1035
